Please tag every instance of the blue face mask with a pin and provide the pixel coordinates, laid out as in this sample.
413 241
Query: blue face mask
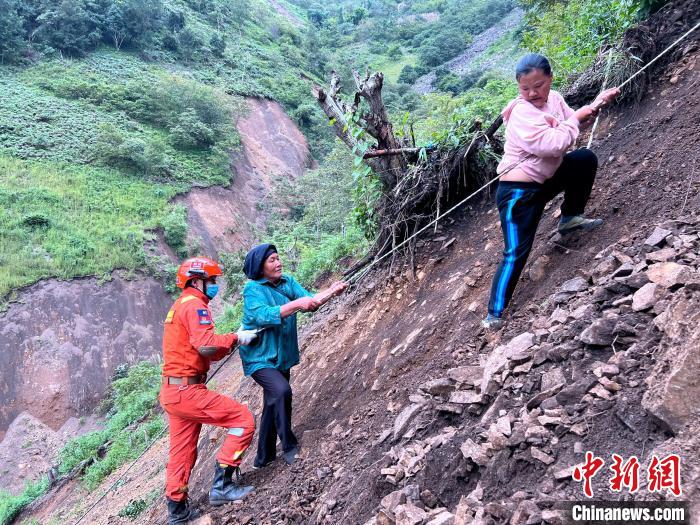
212 290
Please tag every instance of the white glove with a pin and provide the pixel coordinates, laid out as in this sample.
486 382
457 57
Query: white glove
245 337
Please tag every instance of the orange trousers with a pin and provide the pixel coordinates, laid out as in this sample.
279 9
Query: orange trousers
188 407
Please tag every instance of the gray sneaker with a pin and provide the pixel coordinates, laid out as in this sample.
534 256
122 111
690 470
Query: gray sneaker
492 322
577 222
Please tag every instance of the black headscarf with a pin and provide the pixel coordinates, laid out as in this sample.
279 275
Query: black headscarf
253 265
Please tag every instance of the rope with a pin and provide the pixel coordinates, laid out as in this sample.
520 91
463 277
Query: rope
660 54
356 277
153 442
605 84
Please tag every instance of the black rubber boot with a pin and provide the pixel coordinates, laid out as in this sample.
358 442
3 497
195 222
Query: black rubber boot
227 486
179 512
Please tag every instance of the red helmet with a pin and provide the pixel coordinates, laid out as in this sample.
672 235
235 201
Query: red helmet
196 267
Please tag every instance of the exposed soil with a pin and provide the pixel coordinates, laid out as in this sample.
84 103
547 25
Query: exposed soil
226 219
61 341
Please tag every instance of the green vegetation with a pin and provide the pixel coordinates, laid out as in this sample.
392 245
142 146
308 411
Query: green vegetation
137 506
571 33
65 221
131 426
11 505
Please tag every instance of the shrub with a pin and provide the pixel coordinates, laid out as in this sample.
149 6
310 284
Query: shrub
174 225
11 505
128 427
570 33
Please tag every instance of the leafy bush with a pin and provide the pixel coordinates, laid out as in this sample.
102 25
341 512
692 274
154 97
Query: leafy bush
570 33
11 505
174 225
133 399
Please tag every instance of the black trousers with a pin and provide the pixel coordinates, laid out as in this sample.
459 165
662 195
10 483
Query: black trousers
276 418
520 206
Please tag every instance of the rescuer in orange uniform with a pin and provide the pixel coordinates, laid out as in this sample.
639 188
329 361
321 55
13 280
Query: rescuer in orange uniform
189 345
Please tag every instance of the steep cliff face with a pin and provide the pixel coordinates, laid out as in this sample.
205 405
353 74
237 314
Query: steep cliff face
273 149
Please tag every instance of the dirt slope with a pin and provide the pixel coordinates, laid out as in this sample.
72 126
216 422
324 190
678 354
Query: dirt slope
225 219
61 341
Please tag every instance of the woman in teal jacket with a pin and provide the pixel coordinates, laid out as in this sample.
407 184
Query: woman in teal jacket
271 301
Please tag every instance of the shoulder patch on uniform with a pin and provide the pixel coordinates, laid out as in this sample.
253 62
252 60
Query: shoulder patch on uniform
204 316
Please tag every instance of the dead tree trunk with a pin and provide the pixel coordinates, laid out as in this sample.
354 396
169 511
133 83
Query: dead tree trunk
412 194
374 121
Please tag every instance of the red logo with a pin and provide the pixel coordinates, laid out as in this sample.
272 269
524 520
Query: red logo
663 474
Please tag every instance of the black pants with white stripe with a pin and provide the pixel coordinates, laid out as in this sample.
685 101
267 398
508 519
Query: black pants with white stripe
520 206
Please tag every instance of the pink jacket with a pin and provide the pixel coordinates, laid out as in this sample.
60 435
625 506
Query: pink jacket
536 139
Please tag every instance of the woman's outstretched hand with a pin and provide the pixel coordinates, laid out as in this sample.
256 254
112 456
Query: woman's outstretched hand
605 98
339 287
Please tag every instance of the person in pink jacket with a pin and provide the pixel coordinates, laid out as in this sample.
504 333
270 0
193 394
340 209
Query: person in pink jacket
540 128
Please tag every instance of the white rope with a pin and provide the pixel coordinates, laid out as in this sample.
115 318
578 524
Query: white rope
660 54
361 273
605 84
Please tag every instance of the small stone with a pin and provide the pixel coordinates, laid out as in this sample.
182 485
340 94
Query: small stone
527 513
523 369
471 450
549 420
545 394
538 269
623 271
450 408
409 514
465 397
657 237
552 377
577 284
669 274
601 392
541 456
564 473
610 386
606 369
536 434
646 297
662 255
405 417
444 518
466 375
599 333
579 429
436 387
503 425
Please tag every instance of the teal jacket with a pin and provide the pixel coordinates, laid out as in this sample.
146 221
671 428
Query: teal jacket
278 346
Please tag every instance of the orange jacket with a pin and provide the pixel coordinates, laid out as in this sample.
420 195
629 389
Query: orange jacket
188 327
